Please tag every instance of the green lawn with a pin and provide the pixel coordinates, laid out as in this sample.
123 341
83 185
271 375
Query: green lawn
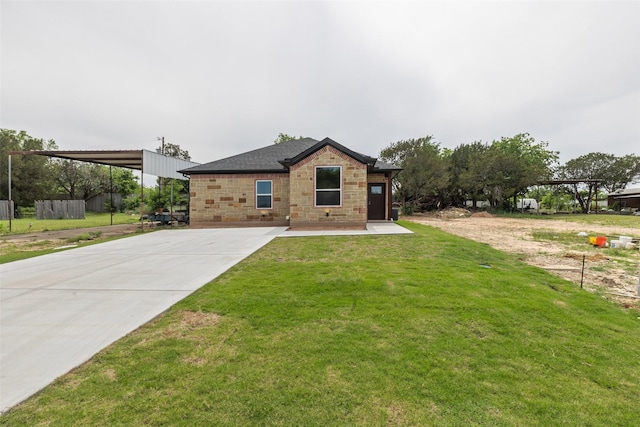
424 329
596 219
92 219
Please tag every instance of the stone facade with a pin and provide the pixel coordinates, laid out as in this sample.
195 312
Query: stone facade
218 200
229 199
352 211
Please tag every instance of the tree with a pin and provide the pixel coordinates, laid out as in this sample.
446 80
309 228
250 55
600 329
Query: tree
469 170
518 162
168 187
174 150
425 175
613 173
82 181
124 182
283 137
31 176
623 171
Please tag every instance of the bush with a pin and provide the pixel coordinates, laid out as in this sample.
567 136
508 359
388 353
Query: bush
26 212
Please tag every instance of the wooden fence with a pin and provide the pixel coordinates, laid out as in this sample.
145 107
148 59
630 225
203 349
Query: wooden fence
99 203
60 209
5 211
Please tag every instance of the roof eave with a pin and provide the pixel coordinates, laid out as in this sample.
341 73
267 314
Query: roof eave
232 171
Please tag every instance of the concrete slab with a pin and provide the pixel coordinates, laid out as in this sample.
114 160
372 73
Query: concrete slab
58 310
372 228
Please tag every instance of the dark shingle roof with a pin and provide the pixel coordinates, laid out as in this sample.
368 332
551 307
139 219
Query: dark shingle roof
277 157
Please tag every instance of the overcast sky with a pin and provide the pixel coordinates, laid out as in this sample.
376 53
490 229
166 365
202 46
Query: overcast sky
220 77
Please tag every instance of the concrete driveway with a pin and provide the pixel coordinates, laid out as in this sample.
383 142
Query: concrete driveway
58 310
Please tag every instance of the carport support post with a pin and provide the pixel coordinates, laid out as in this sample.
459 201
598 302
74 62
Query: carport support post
111 194
10 208
141 198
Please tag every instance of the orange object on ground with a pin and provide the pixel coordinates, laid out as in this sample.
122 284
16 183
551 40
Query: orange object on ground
601 241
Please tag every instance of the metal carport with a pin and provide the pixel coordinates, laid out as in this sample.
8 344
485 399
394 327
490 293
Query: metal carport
143 160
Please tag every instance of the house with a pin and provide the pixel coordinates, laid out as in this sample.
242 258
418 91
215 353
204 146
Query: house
625 200
302 183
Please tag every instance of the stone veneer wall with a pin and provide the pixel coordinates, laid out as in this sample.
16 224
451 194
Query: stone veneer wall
352 213
218 200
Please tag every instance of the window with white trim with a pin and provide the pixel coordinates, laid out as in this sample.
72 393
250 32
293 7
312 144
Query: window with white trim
264 194
328 185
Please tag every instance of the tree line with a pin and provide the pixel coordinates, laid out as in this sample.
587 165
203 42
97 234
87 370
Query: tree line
43 178
433 177
497 173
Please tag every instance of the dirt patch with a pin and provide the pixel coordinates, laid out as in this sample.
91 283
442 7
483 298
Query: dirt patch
54 239
614 274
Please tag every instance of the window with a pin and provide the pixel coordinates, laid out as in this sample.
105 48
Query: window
264 194
328 185
376 189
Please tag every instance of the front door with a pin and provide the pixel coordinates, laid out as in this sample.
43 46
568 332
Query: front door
376 203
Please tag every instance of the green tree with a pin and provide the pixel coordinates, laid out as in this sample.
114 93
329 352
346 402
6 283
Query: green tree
624 171
31 176
124 182
425 176
469 171
283 137
517 163
612 173
170 190
174 150
80 180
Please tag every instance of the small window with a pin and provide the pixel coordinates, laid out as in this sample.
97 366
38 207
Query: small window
376 189
328 185
264 194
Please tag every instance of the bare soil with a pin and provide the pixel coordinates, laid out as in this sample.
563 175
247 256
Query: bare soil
612 273
52 239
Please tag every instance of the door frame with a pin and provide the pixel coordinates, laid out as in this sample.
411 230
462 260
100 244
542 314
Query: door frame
383 208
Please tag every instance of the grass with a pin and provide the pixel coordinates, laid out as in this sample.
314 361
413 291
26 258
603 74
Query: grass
627 221
92 235
22 225
10 252
367 330
570 239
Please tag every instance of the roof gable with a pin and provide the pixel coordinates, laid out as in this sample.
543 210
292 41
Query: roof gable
328 141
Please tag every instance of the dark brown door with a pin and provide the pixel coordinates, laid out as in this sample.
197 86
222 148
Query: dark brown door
377 197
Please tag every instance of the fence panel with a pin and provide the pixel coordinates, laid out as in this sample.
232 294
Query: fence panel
5 211
60 209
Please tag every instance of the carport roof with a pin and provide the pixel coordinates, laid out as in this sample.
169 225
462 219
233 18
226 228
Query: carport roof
143 160
131 159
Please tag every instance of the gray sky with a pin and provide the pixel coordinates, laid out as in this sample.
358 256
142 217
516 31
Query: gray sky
220 78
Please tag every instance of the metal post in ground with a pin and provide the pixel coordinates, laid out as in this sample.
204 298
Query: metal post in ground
10 204
582 275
